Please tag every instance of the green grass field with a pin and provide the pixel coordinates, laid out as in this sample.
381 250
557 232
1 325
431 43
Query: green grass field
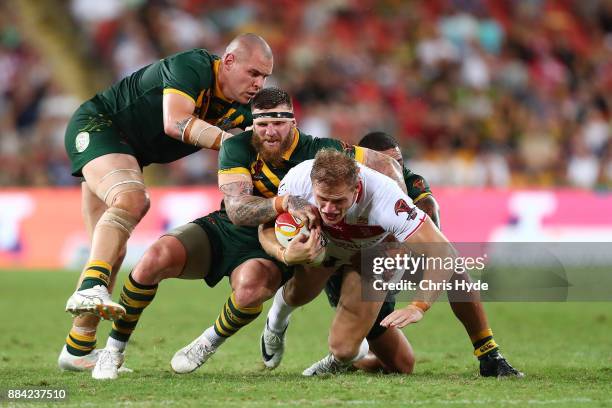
565 349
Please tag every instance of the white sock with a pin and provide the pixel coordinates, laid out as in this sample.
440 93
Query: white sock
364 348
115 344
212 336
280 312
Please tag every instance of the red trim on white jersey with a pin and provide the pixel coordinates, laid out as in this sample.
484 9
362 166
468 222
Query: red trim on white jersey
421 221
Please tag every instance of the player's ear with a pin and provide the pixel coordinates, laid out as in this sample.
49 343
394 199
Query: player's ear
228 60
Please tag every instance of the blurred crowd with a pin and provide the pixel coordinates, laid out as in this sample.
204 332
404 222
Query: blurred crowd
478 92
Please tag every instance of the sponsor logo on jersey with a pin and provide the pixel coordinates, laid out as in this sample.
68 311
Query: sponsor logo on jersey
402 206
82 141
257 173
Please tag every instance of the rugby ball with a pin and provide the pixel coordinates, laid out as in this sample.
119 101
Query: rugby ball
287 227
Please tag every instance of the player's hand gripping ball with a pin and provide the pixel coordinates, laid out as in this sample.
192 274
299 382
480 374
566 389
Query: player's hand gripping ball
287 228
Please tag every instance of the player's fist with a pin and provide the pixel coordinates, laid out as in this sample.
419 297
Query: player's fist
305 249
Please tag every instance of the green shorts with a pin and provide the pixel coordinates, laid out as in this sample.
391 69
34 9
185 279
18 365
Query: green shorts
230 246
91 134
333 288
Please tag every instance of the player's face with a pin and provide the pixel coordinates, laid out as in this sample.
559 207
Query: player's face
272 138
334 201
246 75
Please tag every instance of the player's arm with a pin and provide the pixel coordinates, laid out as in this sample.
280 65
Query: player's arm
243 208
432 243
430 206
394 212
429 241
301 249
181 124
420 193
382 164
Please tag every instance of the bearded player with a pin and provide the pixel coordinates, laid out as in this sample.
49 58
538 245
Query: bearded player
225 243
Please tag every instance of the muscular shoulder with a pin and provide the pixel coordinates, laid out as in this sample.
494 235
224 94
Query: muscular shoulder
198 56
189 72
236 151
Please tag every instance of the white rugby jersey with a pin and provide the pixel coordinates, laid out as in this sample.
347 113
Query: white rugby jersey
381 209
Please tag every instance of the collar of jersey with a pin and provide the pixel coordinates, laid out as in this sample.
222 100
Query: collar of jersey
217 92
296 139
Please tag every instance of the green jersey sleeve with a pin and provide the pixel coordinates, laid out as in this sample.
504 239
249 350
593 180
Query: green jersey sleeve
235 155
416 185
187 73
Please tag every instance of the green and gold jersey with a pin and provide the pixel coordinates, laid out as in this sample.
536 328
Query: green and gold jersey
416 185
238 156
134 104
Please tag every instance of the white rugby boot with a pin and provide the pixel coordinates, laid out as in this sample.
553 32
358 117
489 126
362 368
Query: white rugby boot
328 365
192 356
272 347
68 362
108 364
96 301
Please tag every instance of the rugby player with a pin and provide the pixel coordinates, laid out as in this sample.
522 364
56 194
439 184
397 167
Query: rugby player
359 208
391 352
160 113
465 305
225 242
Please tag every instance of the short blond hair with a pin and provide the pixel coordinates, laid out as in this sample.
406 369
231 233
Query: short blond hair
332 167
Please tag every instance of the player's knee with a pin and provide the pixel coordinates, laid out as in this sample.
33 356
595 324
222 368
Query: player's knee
343 349
251 295
408 366
254 283
150 269
403 365
136 203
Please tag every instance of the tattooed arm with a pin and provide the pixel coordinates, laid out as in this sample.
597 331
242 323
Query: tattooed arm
385 165
243 208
